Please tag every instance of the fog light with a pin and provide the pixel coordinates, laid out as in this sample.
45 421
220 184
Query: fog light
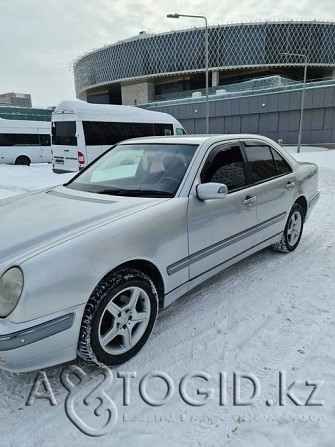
2 360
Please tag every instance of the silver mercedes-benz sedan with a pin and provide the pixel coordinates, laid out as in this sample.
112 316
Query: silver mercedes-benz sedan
85 267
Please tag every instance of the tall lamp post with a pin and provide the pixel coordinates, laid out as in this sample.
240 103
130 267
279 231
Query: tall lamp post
177 16
302 95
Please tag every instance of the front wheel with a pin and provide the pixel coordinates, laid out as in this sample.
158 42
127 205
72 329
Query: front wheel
119 318
293 231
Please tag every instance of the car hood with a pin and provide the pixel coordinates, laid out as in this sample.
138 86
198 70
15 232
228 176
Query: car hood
33 222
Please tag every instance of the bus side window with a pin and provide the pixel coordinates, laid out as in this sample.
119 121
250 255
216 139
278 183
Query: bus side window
5 140
135 130
163 129
45 140
21 139
180 131
104 133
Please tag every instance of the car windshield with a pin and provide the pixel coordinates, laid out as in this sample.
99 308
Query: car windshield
145 170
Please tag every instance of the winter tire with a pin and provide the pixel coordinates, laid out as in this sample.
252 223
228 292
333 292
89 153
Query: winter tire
293 230
119 318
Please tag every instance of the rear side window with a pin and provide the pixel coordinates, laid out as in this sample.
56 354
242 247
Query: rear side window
109 133
64 133
281 164
225 165
45 140
104 133
5 139
135 130
163 129
261 163
19 139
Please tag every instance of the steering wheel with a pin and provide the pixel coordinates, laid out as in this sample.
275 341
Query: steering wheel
171 181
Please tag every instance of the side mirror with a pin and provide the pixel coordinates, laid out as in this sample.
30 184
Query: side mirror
207 191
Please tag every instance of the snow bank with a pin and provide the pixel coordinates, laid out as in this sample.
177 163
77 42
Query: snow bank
21 179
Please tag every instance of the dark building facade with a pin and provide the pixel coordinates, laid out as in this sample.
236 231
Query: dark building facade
273 114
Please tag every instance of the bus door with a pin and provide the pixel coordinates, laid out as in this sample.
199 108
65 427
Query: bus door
45 146
67 154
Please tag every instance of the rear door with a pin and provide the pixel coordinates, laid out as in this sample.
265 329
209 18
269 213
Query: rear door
45 142
64 144
275 187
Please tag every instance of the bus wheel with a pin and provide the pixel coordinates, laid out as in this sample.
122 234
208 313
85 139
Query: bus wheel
22 160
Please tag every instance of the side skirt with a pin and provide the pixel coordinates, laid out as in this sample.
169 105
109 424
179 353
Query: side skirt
194 282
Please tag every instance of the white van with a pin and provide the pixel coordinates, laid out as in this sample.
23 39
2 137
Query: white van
81 131
23 142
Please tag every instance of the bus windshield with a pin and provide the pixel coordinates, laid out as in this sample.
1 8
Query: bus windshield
137 170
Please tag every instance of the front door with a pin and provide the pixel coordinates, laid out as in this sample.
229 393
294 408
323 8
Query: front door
220 229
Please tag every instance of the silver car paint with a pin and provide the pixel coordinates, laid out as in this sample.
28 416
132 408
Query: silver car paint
63 263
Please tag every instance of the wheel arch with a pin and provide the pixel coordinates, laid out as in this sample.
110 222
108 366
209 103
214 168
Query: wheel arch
149 269
303 203
22 156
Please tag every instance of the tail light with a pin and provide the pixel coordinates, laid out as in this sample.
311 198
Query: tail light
81 158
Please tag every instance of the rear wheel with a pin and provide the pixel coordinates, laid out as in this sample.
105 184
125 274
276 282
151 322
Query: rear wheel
293 230
22 160
119 318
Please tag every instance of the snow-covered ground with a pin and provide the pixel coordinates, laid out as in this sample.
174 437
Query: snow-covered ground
271 312
21 179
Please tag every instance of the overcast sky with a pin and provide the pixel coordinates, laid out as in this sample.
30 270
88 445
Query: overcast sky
41 38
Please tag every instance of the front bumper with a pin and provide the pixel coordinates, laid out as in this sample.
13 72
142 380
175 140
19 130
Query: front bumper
40 343
62 171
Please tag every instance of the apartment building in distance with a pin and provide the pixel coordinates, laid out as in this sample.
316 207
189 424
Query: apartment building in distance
16 99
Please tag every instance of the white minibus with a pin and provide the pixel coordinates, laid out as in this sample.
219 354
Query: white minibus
23 142
82 131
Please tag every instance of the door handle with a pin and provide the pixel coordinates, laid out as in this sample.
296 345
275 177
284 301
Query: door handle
290 185
66 150
249 200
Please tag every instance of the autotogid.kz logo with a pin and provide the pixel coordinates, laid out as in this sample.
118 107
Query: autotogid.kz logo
104 411
75 381
106 404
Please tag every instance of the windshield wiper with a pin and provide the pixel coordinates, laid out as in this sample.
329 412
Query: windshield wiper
135 192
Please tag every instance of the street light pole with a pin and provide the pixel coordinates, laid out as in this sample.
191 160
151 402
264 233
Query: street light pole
302 96
302 105
207 80
176 16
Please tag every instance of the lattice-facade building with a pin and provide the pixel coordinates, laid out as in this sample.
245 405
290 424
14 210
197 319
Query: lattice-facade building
151 67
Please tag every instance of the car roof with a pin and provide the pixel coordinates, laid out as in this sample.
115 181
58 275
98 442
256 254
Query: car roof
193 139
208 140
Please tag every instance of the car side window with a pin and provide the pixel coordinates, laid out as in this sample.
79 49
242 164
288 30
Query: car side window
225 165
261 163
282 166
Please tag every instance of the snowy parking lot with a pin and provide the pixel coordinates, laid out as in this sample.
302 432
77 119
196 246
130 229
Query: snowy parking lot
268 314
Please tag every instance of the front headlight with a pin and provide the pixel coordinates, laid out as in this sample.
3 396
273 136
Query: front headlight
11 284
